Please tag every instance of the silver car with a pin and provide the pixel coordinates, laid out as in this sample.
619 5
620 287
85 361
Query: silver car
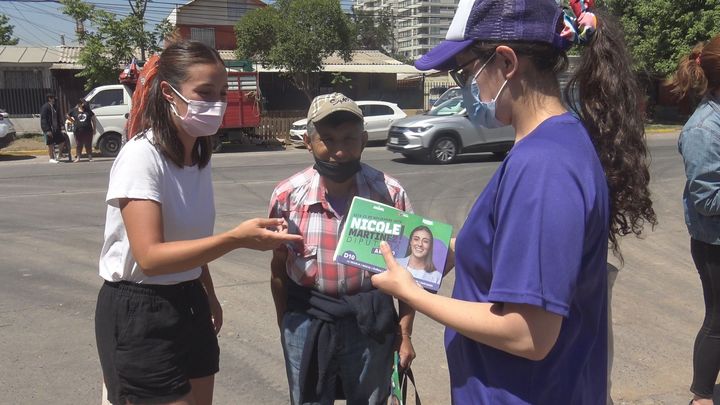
444 133
7 130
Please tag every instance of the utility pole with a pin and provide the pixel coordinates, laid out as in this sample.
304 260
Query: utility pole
80 31
138 10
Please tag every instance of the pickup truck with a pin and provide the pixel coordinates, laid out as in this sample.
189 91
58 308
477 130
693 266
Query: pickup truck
111 105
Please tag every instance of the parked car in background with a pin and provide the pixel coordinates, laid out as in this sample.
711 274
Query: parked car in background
379 117
7 130
444 133
450 93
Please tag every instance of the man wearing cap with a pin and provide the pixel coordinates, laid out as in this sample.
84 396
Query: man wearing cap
337 332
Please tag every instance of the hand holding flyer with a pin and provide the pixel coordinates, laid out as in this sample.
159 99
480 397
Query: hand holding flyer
419 244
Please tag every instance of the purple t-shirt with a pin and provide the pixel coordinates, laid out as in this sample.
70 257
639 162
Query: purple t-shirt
538 235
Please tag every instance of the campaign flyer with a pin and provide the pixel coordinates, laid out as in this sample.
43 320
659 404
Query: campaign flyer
419 244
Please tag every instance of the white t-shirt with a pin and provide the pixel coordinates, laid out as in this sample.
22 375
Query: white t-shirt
141 171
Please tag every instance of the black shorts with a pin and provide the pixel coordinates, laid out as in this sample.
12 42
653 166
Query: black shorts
152 339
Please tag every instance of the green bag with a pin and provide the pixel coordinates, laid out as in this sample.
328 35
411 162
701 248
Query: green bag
399 382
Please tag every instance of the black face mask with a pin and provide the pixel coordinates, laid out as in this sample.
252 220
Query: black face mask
339 172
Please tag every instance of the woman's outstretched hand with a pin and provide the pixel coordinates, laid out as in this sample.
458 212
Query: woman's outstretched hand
396 281
264 234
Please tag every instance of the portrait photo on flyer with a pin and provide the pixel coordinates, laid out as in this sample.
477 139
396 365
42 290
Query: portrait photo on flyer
419 244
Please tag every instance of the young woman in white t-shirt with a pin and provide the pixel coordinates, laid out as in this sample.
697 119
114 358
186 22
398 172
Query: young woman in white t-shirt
157 314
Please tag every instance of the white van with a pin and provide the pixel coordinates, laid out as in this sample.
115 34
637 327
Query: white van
111 105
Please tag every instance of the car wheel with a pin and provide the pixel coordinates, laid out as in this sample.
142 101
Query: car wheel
444 150
110 144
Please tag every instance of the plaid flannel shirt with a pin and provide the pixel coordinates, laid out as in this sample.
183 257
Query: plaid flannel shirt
301 200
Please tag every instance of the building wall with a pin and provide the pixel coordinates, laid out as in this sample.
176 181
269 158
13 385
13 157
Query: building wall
280 94
215 12
224 36
419 24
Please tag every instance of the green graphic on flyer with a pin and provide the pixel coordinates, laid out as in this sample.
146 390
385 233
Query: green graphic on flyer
419 244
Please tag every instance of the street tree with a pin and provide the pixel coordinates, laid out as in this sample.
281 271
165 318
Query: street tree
660 32
112 40
295 36
6 31
374 30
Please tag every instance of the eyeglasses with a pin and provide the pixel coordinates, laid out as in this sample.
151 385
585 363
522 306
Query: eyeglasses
461 75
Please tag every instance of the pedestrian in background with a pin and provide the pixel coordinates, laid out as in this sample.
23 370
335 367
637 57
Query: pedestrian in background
83 128
698 74
51 123
527 321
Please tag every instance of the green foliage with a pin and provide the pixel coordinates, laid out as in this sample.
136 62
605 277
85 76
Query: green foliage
295 36
113 41
374 30
339 79
6 31
660 32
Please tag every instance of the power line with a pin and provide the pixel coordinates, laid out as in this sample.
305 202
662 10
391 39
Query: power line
30 23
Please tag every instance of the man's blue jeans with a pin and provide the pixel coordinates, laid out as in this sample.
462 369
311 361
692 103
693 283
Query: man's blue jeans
363 365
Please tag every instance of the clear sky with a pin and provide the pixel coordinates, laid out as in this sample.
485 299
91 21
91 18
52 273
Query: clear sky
40 23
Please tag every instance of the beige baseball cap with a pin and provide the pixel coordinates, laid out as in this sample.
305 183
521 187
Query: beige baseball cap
326 104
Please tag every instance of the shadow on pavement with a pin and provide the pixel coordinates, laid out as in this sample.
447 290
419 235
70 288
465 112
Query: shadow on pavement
234 148
4 157
470 158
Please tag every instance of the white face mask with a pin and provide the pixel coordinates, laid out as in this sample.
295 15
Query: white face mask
481 113
203 118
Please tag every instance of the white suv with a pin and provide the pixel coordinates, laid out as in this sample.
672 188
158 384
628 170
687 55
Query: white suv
379 116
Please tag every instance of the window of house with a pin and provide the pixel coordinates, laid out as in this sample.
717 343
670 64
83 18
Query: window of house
204 35
107 98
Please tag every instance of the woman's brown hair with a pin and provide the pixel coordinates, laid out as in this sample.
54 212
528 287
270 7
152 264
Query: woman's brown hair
699 72
604 93
154 110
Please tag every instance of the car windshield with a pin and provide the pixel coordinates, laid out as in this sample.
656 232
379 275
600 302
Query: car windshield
449 94
449 107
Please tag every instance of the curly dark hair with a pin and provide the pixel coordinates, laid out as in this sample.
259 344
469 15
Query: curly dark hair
604 93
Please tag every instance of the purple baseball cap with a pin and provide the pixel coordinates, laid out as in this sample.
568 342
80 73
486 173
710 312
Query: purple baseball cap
496 20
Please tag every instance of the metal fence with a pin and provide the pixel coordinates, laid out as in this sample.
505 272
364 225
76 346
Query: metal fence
23 102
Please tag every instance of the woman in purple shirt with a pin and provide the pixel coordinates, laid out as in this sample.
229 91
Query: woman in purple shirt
527 321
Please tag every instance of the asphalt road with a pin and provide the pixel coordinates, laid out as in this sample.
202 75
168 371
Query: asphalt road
51 224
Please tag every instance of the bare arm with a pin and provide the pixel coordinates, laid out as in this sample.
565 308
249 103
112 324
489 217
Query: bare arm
522 330
143 222
278 282
405 347
215 308
206 280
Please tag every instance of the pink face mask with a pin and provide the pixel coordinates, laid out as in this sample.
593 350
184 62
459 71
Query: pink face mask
203 118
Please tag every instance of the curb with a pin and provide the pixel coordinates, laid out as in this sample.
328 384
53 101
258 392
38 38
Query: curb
23 152
663 131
